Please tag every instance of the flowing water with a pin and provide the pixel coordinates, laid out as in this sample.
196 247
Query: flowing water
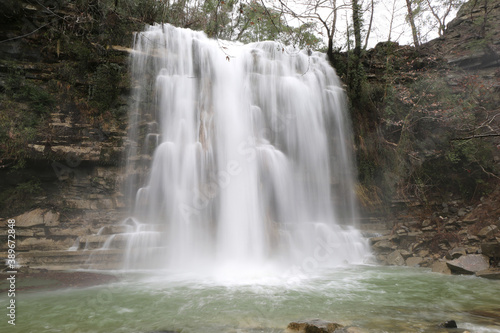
377 299
250 158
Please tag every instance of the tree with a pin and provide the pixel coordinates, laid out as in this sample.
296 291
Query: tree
372 11
440 10
323 11
356 23
412 13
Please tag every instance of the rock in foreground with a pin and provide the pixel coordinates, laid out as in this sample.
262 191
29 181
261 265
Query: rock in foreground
313 326
469 264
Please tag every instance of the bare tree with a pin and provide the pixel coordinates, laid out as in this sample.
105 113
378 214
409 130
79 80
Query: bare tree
411 19
324 11
369 29
440 10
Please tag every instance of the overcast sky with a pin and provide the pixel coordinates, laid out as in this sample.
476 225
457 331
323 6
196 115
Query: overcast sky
384 10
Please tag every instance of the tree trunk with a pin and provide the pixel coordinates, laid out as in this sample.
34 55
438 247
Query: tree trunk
370 25
411 20
356 23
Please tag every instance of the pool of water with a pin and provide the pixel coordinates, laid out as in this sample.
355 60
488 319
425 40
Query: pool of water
377 299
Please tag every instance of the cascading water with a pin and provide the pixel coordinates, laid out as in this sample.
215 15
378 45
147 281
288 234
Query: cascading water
250 165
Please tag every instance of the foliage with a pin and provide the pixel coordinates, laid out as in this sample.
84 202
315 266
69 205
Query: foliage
105 86
24 109
16 197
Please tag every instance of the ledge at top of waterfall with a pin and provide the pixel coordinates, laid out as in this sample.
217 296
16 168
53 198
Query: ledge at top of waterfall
251 158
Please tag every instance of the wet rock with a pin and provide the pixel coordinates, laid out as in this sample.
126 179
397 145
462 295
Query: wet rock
414 261
384 245
488 231
350 329
456 253
469 264
491 249
313 326
449 324
395 259
441 267
492 274
374 240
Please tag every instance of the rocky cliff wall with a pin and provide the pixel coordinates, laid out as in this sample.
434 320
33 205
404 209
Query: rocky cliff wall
63 121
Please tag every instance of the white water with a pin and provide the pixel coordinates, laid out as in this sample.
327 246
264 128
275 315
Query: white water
251 172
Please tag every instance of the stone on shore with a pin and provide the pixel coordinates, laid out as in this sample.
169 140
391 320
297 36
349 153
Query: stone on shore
491 273
441 267
395 259
469 264
414 261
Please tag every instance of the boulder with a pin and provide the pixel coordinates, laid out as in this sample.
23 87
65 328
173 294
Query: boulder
488 231
448 324
411 236
456 253
384 245
414 261
491 249
492 274
405 254
395 259
469 264
440 267
376 239
313 326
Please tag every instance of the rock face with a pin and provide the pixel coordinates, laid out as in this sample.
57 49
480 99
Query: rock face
491 249
395 259
69 184
37 217
313 326
469 264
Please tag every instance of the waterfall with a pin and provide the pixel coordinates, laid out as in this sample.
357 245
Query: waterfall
242 154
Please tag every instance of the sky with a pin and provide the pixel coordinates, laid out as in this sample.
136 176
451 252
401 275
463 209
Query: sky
384 10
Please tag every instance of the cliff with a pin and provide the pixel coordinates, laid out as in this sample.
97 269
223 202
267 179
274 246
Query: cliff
63 118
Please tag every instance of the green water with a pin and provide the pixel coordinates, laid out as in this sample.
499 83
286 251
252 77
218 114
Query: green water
378 299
